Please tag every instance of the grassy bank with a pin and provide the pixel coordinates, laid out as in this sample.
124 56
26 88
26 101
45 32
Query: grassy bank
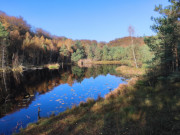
130 71
135 108
106 62
87 118
123 62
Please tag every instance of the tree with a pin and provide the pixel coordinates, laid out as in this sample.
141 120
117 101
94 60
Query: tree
105 52
120 53
131 34
89 52
166 45
3 44
98 54
79 54
63 52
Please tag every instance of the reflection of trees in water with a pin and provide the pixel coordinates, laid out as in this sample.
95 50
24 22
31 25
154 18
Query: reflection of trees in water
18 90
6 95
21 88
78 72
94 71
101 70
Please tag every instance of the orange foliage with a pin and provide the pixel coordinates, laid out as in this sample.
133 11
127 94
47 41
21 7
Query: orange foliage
126 41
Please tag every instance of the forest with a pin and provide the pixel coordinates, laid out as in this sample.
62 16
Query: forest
23 45
147 104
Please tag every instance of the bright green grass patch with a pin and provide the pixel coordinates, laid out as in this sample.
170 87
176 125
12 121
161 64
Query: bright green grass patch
53 66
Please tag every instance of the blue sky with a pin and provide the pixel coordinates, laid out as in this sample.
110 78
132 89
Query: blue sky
101 20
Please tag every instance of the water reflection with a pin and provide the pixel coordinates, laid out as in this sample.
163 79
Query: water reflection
27 97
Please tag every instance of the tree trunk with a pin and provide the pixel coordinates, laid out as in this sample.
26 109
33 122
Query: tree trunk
4 79
23 58
134 56
177 61
50 55
3 57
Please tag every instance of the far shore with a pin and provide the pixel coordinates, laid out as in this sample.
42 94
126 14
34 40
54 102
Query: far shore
53 66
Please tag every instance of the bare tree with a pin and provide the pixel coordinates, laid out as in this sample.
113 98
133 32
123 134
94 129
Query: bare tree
131 34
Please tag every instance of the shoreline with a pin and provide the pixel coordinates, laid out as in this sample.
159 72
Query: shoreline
52 66
89 62
85 107
133 108
31 67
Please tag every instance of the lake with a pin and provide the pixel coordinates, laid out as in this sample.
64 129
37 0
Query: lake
28 96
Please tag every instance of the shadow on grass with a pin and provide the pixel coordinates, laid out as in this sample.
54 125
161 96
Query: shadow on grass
149 110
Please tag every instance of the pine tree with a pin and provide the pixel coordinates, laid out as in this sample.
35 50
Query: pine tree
166 45
63 52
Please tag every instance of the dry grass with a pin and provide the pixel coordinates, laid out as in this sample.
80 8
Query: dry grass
130 71
5 69
14 69
1 70
18 69
122 62
122 89
106 62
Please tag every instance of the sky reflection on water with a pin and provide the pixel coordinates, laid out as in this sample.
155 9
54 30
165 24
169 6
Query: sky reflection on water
58 99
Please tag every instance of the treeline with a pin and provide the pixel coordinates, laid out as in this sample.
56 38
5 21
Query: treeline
23 45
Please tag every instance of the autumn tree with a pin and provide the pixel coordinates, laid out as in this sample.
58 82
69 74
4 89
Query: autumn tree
37 47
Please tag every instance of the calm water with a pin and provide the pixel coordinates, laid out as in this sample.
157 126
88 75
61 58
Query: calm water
21 95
